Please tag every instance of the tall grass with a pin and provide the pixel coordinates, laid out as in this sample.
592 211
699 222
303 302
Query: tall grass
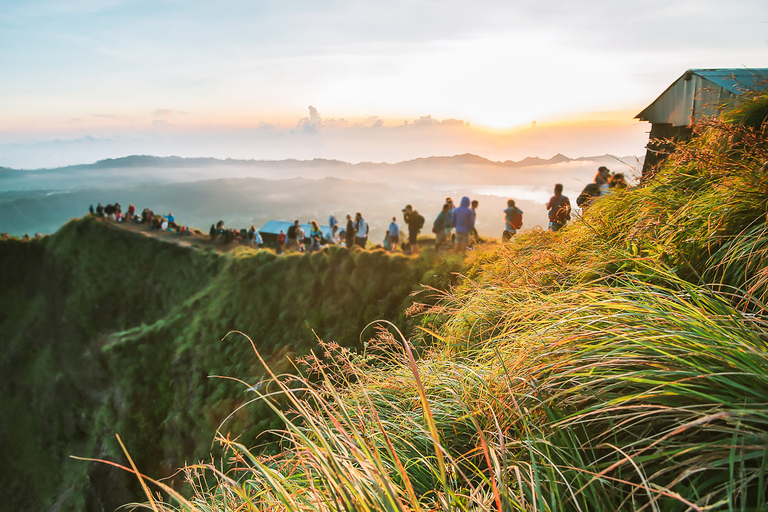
620 364
652 397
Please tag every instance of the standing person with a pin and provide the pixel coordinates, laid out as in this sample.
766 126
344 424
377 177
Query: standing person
335 240
415 222
559 207
449 220
602 178
473 234
314 230
332 221
300 236
281 242
394 234
513 220
361 230
252 235
438 227
349 235
463 221
292 236
91 210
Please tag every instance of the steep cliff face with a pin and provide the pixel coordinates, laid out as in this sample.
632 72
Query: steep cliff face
108 332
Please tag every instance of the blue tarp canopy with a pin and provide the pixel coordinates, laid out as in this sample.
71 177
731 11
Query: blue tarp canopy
271 229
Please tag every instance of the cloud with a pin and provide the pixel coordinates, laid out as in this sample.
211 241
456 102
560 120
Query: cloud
165 112
337 124
312 123
425 121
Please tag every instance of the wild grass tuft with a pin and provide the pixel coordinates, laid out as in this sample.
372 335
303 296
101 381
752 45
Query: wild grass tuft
620 364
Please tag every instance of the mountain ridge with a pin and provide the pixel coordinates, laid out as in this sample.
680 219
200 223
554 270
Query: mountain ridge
173 161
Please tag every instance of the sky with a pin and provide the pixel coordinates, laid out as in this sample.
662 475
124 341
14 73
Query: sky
351 80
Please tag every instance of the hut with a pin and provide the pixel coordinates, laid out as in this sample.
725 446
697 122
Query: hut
697 94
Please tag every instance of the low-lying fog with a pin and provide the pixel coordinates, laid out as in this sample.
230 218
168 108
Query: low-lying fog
200 192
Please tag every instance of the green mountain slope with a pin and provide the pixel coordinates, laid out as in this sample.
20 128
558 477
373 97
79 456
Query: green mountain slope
105 331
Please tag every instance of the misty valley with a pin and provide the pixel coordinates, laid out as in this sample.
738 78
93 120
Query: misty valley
201 192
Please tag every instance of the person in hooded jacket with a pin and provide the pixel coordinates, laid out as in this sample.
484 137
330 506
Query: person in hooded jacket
463 221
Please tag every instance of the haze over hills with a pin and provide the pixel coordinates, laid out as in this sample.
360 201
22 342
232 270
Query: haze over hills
201 191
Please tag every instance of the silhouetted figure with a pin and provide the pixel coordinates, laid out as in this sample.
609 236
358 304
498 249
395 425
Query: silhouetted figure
415 222
350 232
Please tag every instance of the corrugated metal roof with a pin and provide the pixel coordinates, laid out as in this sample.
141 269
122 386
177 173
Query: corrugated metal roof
700 92
736 80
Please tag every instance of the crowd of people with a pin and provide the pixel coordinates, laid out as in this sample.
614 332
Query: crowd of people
227 235
158 222
453 227
559 206
604 183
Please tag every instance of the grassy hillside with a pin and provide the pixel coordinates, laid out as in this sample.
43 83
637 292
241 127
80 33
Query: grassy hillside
107 331
620 364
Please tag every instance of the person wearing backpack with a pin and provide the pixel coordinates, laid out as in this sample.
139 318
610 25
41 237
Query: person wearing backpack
513 220
438 227
559 207
415 222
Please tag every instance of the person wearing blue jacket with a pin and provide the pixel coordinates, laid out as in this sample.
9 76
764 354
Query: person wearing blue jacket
463 221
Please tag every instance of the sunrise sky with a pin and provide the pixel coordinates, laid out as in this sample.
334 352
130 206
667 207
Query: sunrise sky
386 81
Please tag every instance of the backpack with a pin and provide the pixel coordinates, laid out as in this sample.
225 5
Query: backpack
439 224
590 192
561 215
419 221
517 219
292 231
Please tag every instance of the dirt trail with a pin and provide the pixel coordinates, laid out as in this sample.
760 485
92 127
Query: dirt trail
195 240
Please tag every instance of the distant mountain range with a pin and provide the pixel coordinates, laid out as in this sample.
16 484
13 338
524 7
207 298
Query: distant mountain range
246 192
141 161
